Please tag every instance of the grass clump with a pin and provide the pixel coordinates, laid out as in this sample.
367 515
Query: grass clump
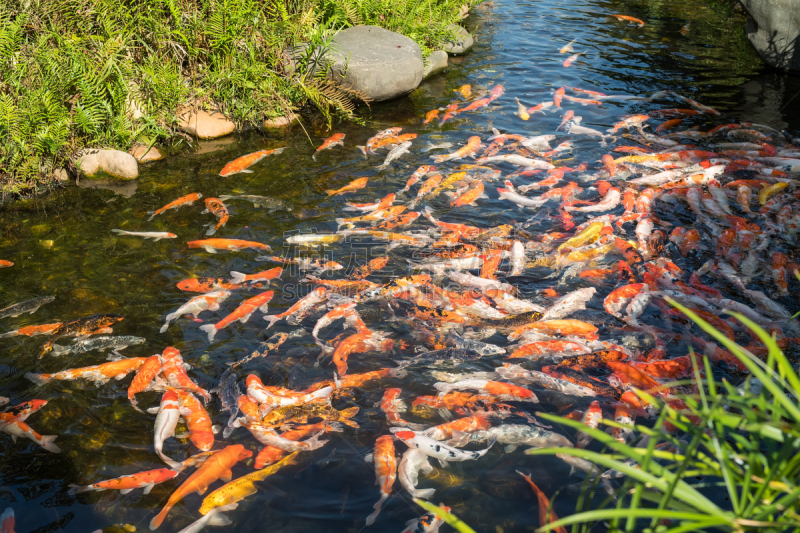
105 73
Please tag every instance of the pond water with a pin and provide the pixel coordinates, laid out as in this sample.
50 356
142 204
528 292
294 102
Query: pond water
62 246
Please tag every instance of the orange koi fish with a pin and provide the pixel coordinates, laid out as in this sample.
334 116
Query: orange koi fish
12 422
5 264
237 278
216 467
359 343
241 164
628 375
539 108
212 245
299 309
189 199
567 47
586 91
464 90
629 19
668 125
373 141
494 389
571 59
209 301
450 111
31 331
496 92
392 405
197 420
385 472
477 104
546 513
430 116
7 521
373 266
124 484
629 122
354 185
559 94
218 209
468 424
143 378
540 349
470 195
100 374
337 139
565 327
174 371
471 148
566 118
272 454
242 313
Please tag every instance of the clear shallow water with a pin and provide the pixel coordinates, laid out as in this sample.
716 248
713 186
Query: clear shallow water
62 246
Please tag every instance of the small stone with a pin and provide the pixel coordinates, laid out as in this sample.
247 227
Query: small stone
281 122
61 175
204 124
380 63
434 64
461 44
97 164
143 155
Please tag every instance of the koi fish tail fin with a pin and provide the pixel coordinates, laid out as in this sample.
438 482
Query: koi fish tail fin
400 371
277 151
38 379
363 150
159 518
118 231
211 229
210 330
48 444
425 494
371 518
271 319
169 318
220 519
315 442
9 334
335 427
237 277
152 215
314 157
77 489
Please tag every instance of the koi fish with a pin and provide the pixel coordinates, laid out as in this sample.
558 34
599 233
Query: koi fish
12 422
237 278
143 378
168 413
155 235
5 264
242 313
205 302
218 209
31 331
241 164
558 95
591 418
470 195
539 108
568 47
212 245
7 521
358 343
337 139
571 59
217 466
100 374
354 185
521 111
448 430
495 389
295 313
269 437
629 19
464 90
411 464
373 141
546 513
189 199
396 152
272 454
235 491
174 371
392 405
198 422
206 285
436 449
270 398
212 518
385 472
430 116
472 146
125 484
81 327
515 435
427 523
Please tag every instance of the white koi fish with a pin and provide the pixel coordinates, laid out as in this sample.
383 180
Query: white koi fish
436 449
205 302
155 235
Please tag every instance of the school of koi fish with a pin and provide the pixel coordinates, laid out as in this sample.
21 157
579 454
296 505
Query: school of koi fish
657 219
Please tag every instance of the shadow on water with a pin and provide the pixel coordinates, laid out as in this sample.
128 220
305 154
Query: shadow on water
62 245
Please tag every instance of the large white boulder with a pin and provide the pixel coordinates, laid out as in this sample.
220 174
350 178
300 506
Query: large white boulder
773 27
98 164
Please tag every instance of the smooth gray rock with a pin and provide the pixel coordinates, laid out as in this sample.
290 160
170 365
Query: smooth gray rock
434 64
773 27
108 163
380 63
461 43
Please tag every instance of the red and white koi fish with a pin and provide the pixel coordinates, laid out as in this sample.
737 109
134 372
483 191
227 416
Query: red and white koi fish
241 164
416 176
295 313
212 245
12 422
100 374
124 484
205 302
611 199
189 199
219 210
571 59
144 378
242 313
376 139
385 472
169 411
392 405
344 311
270 397
359 343
630 122
592 418
174 370
337 139
269 437
381 204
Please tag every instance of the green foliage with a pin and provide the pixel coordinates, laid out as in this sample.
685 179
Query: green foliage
105 73
735 466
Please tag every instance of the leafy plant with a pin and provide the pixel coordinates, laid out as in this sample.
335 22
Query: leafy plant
736 442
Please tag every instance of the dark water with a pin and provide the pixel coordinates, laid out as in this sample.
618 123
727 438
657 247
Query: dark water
62 246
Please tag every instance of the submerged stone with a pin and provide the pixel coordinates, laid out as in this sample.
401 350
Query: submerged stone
434 64
115 164
380 63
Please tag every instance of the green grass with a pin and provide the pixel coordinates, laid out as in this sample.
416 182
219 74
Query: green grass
70 69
